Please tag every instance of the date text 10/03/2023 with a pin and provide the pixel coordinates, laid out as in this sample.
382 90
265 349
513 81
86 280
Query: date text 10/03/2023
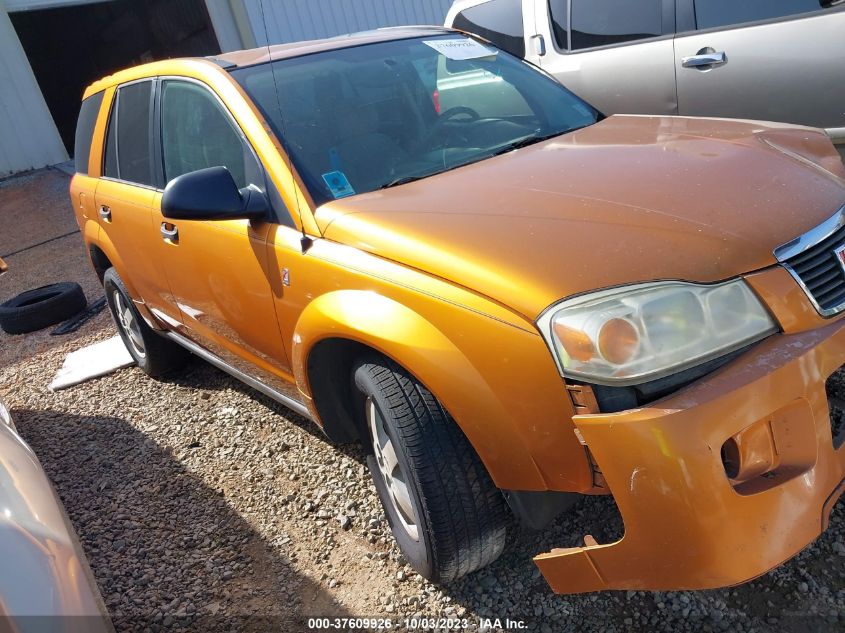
417 624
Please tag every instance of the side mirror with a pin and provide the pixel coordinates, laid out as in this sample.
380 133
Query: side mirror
211 194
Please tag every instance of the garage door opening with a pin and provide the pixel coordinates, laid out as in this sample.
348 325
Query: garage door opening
69 47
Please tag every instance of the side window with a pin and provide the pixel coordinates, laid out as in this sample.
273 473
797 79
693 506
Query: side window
110 162
85 131
559 12
603 22
499 21
196 132
128 139
715 13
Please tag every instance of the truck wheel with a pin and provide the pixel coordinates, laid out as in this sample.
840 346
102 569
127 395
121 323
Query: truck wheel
154 354
447 516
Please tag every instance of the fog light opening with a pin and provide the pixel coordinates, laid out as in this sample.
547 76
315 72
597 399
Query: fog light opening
730 458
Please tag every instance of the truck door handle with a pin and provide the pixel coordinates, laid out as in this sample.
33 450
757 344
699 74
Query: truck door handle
105 213
705 60
539 45
169 232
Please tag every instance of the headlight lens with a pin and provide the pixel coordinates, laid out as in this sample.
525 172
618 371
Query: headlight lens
640 333
5 416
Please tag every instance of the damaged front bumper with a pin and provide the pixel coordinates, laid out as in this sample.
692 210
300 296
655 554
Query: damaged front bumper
687 524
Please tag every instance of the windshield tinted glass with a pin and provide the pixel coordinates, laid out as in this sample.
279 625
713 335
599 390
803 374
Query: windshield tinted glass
360 119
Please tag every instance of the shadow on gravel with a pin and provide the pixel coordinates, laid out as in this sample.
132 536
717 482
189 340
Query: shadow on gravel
203 376
151 509
168 552
794 597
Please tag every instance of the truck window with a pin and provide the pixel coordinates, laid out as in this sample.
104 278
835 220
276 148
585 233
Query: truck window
196 133
603 22
499 21
559 12
715 13
85 131
128 142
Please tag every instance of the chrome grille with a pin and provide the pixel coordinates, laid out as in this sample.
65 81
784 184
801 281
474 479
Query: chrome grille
813 262
821 272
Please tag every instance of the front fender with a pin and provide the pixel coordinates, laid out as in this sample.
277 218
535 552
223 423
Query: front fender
436 360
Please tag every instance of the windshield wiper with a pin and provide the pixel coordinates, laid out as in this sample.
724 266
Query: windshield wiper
525 142
402 180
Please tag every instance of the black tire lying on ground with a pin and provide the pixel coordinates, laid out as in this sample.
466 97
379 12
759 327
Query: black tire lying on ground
41 307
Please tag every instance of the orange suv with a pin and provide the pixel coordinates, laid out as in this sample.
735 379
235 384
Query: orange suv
427 245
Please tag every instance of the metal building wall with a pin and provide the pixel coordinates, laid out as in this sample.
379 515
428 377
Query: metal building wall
292 20
28 136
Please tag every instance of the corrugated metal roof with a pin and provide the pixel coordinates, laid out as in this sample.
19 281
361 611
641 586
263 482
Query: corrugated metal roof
294 20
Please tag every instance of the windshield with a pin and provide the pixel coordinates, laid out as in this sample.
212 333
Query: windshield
359 119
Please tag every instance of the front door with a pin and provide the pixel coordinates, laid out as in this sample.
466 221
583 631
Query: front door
772 60
218 269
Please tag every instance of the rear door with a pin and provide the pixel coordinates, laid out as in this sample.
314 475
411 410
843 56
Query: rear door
774 60
616 54
125 194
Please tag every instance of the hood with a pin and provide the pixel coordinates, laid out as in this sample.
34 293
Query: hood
630 199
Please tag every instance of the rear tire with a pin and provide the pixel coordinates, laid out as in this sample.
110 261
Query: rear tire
447 516
154 354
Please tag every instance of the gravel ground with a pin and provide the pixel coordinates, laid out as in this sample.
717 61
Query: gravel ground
201 503
204 506
34 208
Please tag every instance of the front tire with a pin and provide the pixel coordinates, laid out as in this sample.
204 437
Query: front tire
447 516
154 354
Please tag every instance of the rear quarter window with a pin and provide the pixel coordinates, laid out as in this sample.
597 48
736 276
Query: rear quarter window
85 131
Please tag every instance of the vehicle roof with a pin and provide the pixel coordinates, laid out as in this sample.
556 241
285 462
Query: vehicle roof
296 49
251 57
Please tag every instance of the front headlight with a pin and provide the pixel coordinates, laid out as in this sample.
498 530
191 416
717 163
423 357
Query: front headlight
640 333
5 416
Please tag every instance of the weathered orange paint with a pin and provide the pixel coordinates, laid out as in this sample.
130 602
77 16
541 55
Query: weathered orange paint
686 526
447 276
785 299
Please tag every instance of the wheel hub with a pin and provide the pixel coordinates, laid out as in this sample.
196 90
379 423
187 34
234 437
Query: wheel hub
128 323
394 478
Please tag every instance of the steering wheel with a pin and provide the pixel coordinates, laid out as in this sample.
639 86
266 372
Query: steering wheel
457 111
436 135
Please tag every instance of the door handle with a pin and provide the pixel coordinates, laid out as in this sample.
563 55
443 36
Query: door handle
105 213
539 45
705 60
169 232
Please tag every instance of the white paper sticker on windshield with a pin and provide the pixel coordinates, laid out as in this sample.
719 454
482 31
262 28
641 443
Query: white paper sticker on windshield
461 48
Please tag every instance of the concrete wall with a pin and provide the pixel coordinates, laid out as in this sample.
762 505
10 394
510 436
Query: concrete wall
292 20
28 137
